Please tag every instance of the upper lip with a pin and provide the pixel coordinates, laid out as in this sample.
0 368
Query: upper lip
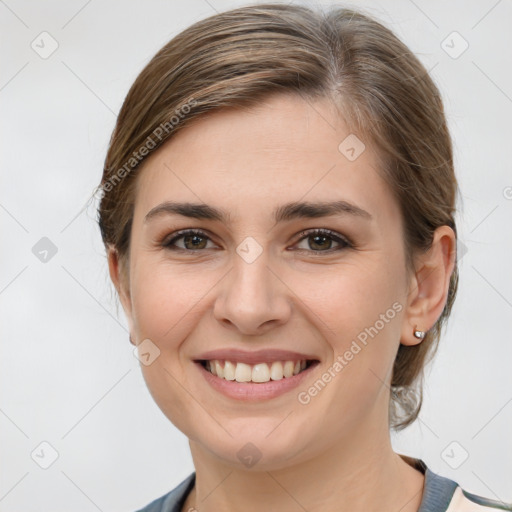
254 357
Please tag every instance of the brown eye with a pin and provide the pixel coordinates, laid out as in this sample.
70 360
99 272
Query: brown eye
320 240
192 240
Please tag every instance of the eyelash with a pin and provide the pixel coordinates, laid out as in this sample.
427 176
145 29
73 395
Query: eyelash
347 243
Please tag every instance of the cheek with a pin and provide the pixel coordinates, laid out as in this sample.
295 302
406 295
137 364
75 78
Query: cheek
362 308
163 312
163 299
353 297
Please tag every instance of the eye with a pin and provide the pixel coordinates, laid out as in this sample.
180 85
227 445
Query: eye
320 240
193 239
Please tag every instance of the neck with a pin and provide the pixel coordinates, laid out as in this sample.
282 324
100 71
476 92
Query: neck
361 472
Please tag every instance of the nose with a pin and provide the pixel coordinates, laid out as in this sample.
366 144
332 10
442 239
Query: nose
253 298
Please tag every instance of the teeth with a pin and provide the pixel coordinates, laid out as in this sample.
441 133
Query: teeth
229 370
261 372
288 368
276 370
243 372
219 371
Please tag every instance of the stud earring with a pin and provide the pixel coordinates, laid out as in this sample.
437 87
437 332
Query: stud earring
419 334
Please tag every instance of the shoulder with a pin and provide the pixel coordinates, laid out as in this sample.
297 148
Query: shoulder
464 501
440 494
172 501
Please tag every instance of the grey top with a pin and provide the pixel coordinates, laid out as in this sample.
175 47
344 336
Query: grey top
440 494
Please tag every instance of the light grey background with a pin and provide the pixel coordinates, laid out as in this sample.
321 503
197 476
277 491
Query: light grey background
68 376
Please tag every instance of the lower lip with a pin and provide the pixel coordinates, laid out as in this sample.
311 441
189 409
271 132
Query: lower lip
250 391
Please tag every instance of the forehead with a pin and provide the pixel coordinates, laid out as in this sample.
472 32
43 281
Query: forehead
283 150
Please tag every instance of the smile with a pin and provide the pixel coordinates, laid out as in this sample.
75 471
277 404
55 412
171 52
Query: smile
255 382
256 373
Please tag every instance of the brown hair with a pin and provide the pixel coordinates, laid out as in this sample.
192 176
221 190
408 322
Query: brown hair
236 59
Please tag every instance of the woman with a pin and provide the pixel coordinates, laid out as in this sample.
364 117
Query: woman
278 213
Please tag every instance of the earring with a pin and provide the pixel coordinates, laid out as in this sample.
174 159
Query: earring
419 334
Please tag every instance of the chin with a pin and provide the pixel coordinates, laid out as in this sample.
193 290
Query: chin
256 447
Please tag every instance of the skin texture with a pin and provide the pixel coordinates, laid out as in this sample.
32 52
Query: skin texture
333 453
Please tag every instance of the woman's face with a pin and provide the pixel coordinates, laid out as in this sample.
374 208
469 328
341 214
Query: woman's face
259 287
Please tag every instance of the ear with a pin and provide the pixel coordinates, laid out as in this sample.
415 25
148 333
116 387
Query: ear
428 290
118 279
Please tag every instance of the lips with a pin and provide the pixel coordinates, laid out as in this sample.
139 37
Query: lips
254 357
254 375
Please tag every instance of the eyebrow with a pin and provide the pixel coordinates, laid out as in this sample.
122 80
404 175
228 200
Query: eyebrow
286 212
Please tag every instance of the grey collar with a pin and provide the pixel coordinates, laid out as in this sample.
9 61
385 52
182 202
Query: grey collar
437 493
